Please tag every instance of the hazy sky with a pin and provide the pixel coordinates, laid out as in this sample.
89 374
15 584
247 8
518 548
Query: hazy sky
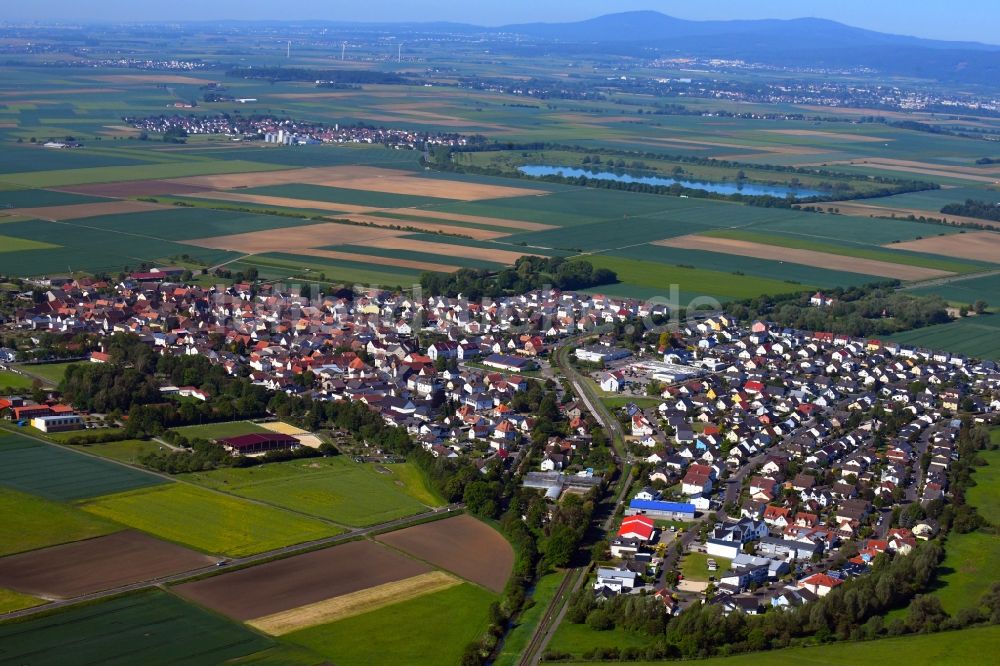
974 20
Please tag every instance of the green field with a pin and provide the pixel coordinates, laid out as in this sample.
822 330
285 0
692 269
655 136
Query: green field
694 567
217 430
339 195
692 281
985 495
951 648
336 489
430 630
126 451
208 521
13 380
973 336
519 637
51 372
8 244
32 522
12 601
111 174
182 223
966 291
283 266
28 198
56 473
577 639
147 628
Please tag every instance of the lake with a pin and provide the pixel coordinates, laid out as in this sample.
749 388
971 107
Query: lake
749 189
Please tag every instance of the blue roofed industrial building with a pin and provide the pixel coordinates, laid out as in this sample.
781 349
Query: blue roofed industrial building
660 510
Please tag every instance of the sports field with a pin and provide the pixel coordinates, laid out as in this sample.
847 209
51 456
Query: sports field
217 430
30 522
337 488
59 474
149 628
427 630
50 372
208 521
14 380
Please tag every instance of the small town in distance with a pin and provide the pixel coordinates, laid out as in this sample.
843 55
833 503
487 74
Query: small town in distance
507 335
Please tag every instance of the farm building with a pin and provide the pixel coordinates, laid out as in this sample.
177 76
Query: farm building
257 443
57 423
661 510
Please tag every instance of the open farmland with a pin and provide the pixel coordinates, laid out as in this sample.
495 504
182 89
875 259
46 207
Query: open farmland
462 545
77 211
297 581
979 246
30 522
208 521
12 601
964 291
837 262
336 489
102 563
149 628
56 473
975 336
430 630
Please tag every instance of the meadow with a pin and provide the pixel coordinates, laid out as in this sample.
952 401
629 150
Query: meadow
56 473
13 380
52 373
32 522
126 450
151 627
518 638
951 648
427 630
336 489
578 639
208 521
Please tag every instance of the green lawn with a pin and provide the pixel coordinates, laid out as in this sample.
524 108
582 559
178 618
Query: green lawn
152 627
12 380
12 601
951 648
208 521
576 639
968 569
127 450
336 488
519 637
52 372
217 430
985 495
30 522
694 566
430 630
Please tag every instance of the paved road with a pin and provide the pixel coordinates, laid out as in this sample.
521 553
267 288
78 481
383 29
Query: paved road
276 554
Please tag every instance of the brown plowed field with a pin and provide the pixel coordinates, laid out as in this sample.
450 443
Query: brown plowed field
73 569
840 136
283 202
379 261
77 211
300 580
462 545
980 246
134 188
294 239
834 262
426 187
444 249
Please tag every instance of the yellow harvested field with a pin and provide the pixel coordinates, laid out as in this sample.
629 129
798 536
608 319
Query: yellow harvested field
974 174
149 78
283 428
76 211
473 219
444 249
296 239
871 210
840 136
834 262
979 246
282 202
378 261
430 227
354 603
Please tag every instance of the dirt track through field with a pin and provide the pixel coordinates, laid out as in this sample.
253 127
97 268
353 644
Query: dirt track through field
297 581
833 262
101 563
462 545
379 261
980 246
354 603
77 211
294 239
444 249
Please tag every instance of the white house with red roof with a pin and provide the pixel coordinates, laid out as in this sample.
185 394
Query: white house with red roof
820 584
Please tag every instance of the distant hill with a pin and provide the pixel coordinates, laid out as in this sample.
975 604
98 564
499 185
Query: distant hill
805 41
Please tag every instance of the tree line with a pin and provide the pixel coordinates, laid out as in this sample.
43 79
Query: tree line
527 274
